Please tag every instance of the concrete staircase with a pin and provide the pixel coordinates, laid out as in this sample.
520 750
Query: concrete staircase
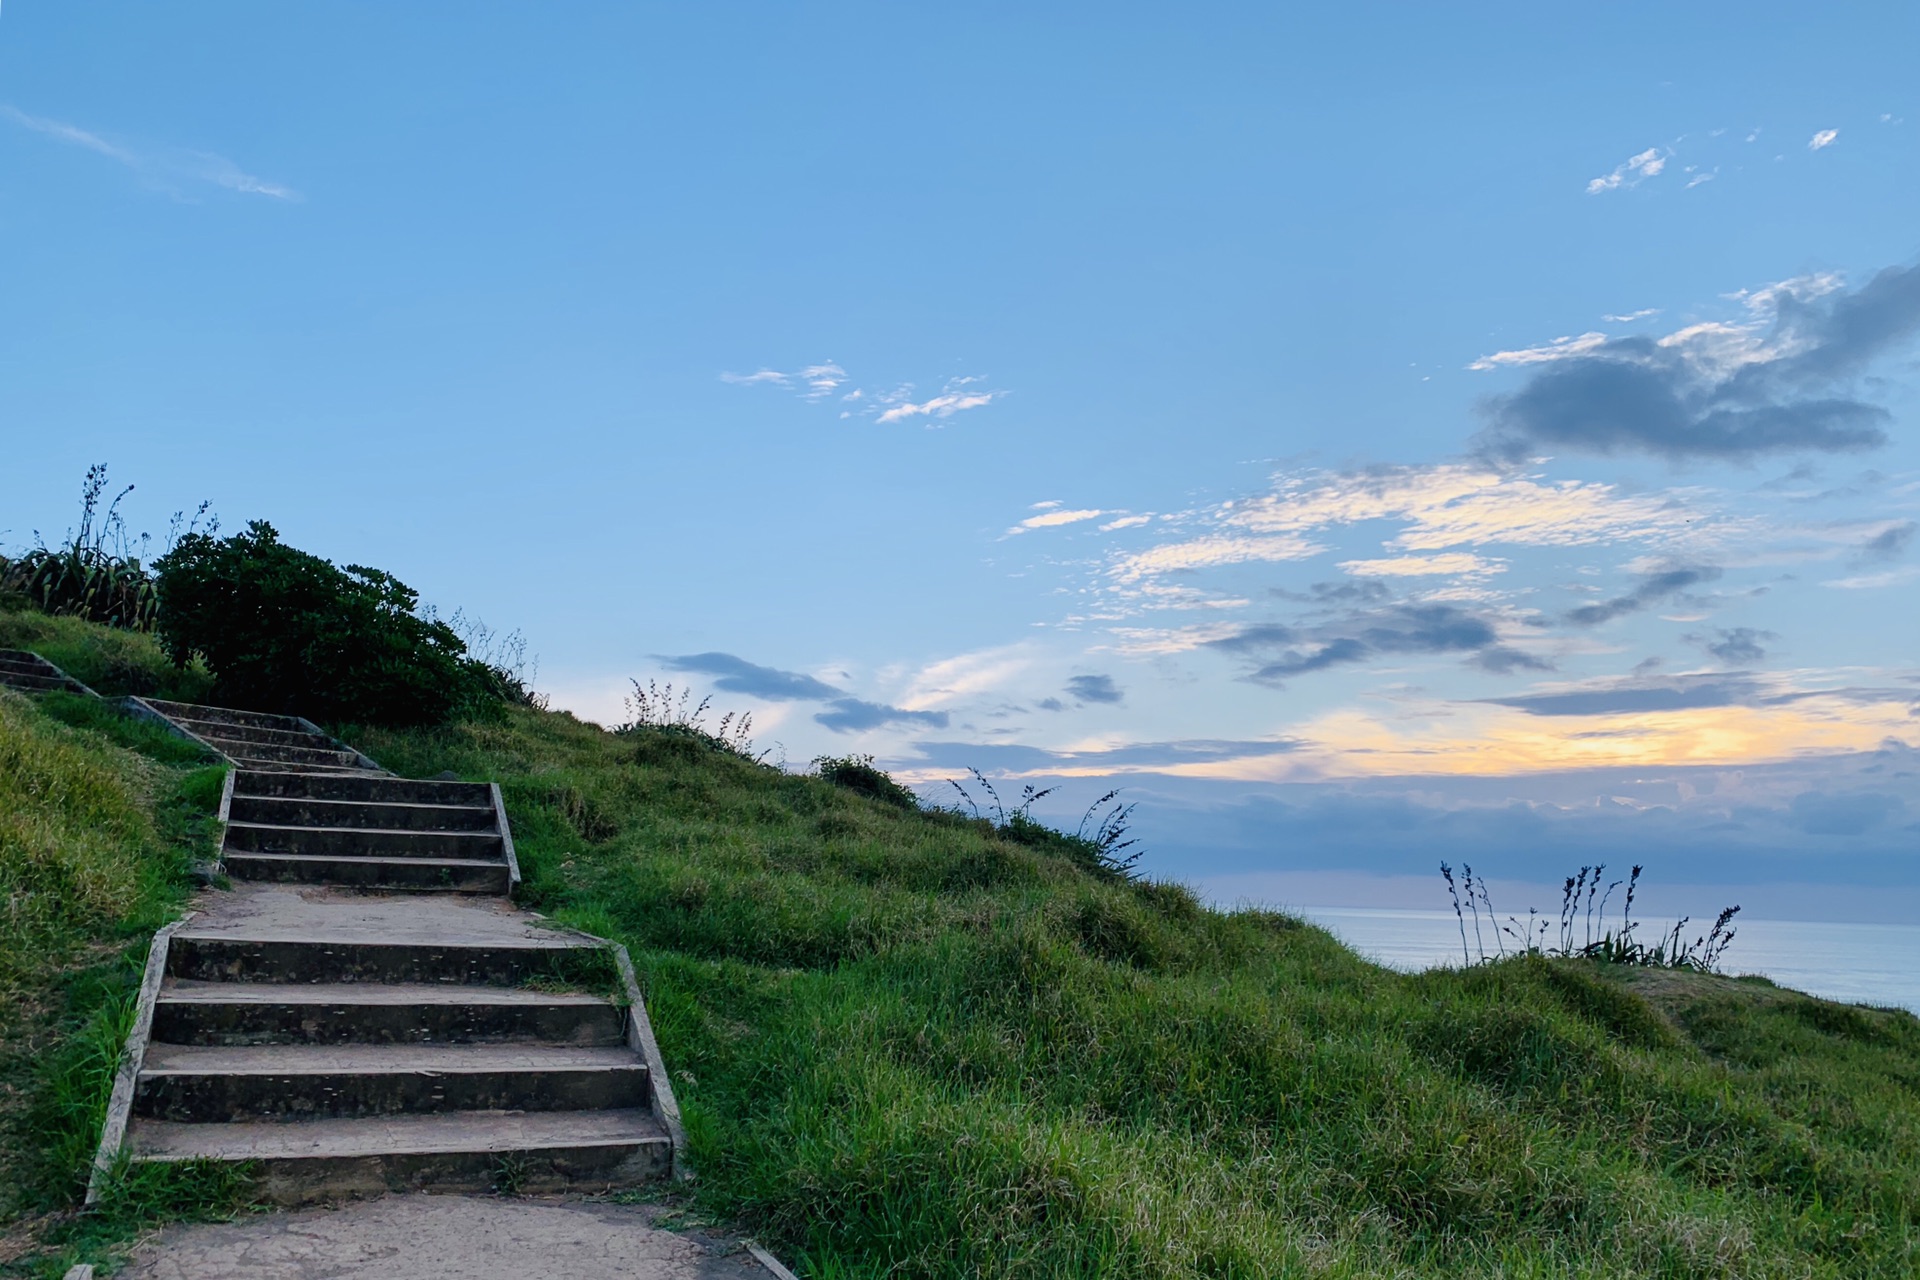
32 673
366 1011
256 740
368 831
351 1045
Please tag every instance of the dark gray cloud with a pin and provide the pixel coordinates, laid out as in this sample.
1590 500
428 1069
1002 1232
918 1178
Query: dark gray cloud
1351 591
1628 697
1890 544
1638 395
1820 813
1255 639
1297 663
737 675
1286 651
1504 660
1051 704
1094 689
844 714
851 715
1653 587
1736 646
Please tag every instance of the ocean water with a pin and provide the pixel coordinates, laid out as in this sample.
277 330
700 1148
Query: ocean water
1875 964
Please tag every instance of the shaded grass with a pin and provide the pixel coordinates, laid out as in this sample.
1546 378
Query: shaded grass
110 661
908 1047
95 843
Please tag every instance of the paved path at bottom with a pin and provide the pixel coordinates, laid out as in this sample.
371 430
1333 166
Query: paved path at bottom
429 1237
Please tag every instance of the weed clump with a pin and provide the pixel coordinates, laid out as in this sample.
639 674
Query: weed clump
857 774
1583 931
97 575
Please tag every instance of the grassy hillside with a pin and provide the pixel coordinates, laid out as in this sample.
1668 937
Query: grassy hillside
100 818
909 1047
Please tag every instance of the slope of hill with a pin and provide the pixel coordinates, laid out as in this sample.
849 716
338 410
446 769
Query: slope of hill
907 1045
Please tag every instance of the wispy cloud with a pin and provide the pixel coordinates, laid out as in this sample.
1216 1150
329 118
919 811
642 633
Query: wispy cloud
1823 139
1562 348
161 169
1462 564
1054 518
1435 509
1630 172
823 381
1874 581
944 405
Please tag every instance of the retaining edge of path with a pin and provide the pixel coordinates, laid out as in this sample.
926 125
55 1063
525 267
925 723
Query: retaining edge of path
113 1133
506 840
640 1039
140 709
366 761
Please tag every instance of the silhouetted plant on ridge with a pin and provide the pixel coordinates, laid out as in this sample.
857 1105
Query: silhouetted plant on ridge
1104 849
1583 932
660 710
98 574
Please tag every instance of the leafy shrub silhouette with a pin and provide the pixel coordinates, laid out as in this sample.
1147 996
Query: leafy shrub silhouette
285 631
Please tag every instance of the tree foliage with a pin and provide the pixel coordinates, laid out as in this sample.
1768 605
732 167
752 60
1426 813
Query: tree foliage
288 632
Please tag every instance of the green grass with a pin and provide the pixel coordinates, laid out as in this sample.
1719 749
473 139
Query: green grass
110 661
907 1047
100 818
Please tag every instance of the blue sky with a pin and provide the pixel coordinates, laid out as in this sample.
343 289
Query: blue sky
1368 437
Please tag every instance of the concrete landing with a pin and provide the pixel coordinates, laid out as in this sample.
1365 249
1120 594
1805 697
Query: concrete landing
317 913
425 1237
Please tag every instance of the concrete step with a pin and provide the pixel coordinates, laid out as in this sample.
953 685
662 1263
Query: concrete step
242 761
21 669
225 732
291 958
224 715
33 682
238 1013
450 875
363 788
362 842
295 757
201 1084
300 811
317 1160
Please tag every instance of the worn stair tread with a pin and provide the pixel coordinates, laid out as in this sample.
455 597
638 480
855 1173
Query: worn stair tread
223 715
381 1059
369 832
442 1132
349 932
419 805
235 855
201 991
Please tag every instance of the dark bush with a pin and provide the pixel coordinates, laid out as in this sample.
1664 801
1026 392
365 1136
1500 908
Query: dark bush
858 775
288 632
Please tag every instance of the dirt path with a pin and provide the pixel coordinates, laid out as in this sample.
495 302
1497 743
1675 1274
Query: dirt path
428 1237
